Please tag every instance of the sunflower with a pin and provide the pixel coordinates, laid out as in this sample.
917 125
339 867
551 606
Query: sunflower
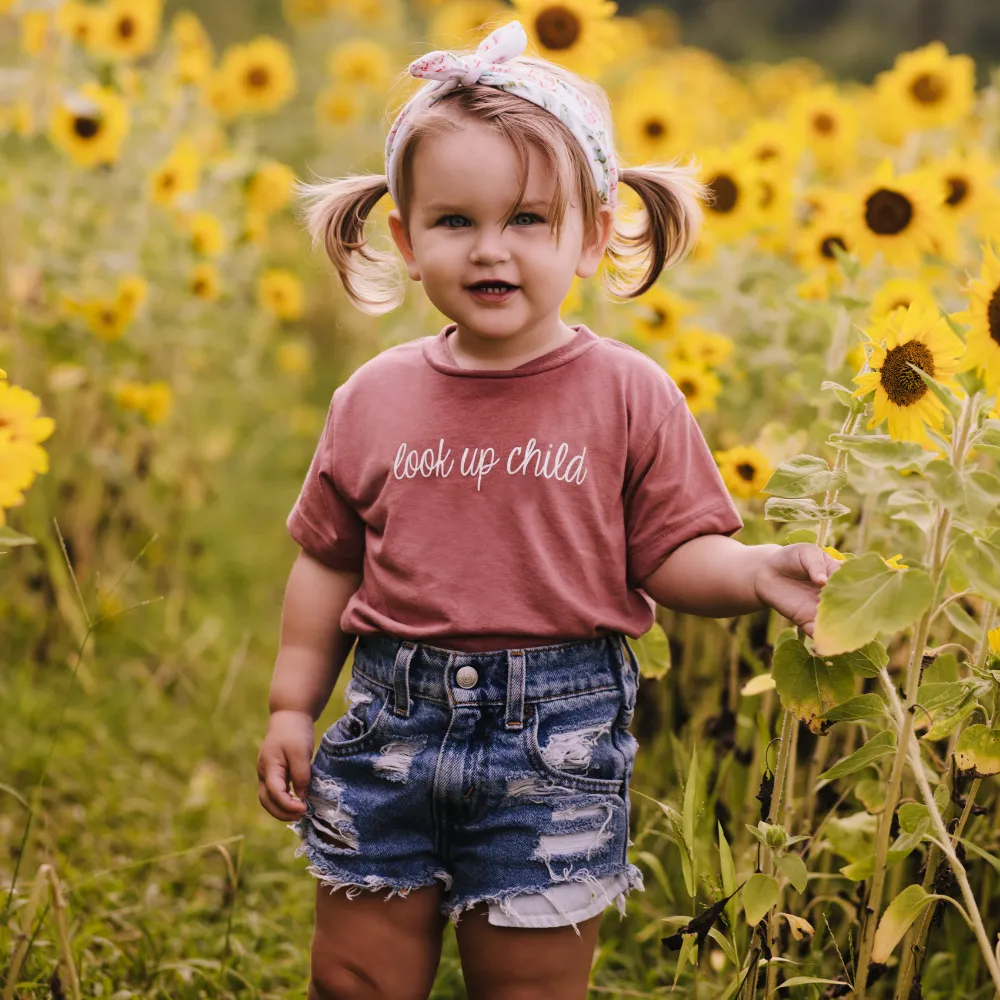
898 293
129 29
298 11
177 175
918 336
188 32
279 292
926 88
34 27
20 462
204 282
732 179
827 229
700 386
194 66
662 27
89 125
269 188
80 22
207 235
361 62
151 399
697 346
826 121
261 74
966 180
660 313
983 318
652 123
462 22
293 357
577 34
772 83
900 216
19 415
772 143
338 106
745 470
775 186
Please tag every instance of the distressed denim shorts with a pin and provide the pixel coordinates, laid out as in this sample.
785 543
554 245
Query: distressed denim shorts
503 774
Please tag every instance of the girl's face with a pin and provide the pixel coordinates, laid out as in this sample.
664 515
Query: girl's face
463 186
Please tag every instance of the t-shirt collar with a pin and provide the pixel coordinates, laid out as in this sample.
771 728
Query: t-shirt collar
439 356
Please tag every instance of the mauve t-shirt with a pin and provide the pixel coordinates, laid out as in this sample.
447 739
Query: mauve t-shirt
507 508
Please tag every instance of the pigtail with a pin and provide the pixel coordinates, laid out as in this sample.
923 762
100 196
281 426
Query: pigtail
334 213
664 233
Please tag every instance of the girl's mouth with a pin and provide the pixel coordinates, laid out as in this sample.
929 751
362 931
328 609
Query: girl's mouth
493 291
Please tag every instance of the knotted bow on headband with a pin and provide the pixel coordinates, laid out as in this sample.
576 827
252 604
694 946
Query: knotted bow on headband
489 66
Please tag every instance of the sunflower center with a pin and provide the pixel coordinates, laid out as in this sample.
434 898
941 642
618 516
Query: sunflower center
108 317
888 213
726 193
826 247
899 304
824 123
767 194
746 471
993 316
655 128
928 88
901 383
766 153
659 317
126 28
687 387
200 286
258 77
86 127
557 27
958 190
168 180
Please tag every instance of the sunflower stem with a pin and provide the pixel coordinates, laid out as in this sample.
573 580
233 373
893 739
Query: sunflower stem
934 560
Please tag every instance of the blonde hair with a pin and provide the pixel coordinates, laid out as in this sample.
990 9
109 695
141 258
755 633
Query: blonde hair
666 229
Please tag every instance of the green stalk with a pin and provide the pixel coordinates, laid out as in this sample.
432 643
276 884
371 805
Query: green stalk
873 906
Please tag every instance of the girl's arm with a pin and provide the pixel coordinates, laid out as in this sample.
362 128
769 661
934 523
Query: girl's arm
313 647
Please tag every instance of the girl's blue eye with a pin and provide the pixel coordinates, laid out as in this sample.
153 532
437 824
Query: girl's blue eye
447 220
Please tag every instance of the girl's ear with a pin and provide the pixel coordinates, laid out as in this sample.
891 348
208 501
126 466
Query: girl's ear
593 249
402 240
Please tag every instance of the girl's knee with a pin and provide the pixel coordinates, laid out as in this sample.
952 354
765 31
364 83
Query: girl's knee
337 982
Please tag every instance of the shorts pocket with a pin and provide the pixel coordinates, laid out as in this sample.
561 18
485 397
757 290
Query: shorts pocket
362 725
572 741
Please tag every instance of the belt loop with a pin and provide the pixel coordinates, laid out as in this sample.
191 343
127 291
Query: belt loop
401 678
515 689
631 655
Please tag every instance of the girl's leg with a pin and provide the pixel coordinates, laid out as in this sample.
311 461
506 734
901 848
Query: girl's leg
514 963
373 948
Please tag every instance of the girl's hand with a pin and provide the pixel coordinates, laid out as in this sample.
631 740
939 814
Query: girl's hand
285 757
790 578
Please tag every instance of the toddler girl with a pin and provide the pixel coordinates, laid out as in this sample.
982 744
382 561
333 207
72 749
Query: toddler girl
489 513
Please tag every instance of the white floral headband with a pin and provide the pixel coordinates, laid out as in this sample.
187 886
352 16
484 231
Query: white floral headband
488 66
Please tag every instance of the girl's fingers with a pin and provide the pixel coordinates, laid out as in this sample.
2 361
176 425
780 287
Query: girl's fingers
275 791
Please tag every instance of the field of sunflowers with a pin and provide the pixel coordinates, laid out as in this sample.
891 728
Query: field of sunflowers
819 816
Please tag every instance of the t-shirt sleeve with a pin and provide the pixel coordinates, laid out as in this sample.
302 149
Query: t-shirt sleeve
674 493
322 521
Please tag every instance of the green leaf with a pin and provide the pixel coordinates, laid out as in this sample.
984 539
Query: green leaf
688 814
971 495
912 506
864 706
963 621
656 867
871 794
903 847
951 402
803 476
865 597
652 650
947 703
896 920
795 535
728 869
985 855
809 686
880 745
794 869
11 539
846 397
780 509
809 981
867 661
977 751
759 894
978 560
853 836
879 451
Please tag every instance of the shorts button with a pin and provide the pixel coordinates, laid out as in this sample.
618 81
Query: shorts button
467 677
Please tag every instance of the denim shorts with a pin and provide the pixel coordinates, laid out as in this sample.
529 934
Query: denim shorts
503 774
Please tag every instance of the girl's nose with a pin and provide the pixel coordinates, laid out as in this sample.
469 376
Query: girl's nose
489 248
